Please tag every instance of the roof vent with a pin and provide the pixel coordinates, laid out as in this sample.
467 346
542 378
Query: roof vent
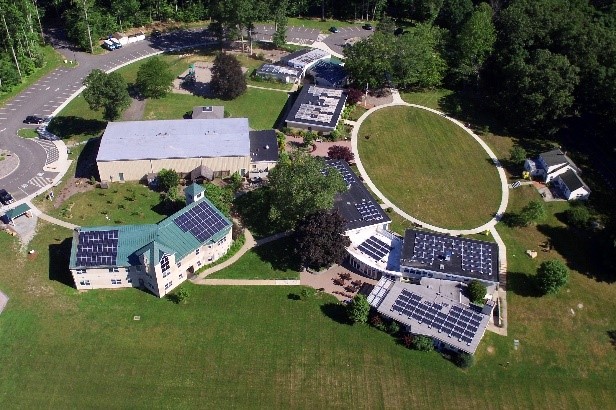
442 266
267 147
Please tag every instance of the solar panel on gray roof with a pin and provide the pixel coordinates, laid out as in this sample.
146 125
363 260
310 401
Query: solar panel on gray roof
346 175
97 248
201 221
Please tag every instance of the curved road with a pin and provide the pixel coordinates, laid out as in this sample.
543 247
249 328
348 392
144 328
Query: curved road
49 95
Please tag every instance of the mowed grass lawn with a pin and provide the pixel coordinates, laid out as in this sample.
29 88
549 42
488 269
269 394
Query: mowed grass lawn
429 167
261 107
273 260
257 347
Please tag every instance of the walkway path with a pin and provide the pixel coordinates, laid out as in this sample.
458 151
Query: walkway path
268 88
249 282
488 226
3 301
51 219
397 101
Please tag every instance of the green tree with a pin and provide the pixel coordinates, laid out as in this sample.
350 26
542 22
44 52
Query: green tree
167 179
475 43
154 78
417 61
454 13
320 241
551 276
578 216
359 309
299 188
279 37
532 213
363 68
422 343
228 81
477 291
386 25
108 92
517 154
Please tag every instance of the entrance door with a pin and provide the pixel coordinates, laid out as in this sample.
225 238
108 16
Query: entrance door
121 176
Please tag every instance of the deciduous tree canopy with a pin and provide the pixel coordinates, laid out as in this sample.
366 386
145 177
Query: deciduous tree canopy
228 81
108 92
154 78
319 239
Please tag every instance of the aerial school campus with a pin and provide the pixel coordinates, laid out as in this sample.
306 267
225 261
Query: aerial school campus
122 294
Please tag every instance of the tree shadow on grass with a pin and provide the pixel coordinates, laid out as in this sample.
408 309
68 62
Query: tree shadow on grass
254 209
522 284
280 254
168 208
69 126
612 335
59 259
581 251
336 312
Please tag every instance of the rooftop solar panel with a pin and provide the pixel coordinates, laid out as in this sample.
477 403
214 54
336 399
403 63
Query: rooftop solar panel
202 221
97 248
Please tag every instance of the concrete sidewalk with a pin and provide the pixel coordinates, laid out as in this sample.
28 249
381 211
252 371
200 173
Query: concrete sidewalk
249 282
51 219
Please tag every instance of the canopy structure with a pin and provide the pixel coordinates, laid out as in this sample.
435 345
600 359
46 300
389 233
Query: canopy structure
16 212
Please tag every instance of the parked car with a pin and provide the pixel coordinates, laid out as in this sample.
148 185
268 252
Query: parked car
115 42
334 29
109 45
35 119
5 197
367 26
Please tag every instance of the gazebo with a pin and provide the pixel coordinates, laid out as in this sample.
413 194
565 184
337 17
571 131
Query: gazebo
16 212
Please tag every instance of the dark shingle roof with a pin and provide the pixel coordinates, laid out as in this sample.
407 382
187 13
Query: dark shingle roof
263 146
331 72
346 202
557 157
573 180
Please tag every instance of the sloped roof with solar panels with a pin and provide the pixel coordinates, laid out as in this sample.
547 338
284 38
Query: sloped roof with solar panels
180 234
452 255
318 106
356 205
428 312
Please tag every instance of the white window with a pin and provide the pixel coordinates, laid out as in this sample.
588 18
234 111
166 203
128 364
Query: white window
179 264
198 263
79 271
114 269
85 283
197 251
166 273
116 281
168 285
129 280
181 276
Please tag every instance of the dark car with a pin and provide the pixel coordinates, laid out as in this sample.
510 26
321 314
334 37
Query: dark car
35 119
334 29
5 197
367 26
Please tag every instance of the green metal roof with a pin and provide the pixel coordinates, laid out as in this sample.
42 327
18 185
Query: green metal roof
154 239
17 211
193 190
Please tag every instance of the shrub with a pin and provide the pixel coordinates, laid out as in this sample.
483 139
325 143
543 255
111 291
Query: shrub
532 213
358 309
422 343
476 291
167 179
551 276
464 360
354 96
393 328
305 294
340 152
517 154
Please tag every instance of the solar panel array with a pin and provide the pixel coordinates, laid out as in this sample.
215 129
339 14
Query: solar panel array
309 57
368 211
347 175
460 323
476 257
375 248
97 248
201 221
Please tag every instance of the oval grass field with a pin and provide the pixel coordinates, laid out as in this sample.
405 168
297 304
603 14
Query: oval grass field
429 167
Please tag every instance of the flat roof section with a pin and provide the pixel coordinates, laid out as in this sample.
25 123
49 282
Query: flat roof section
356 205
427 312
318 106
450 255
208 112
279 70
305 57
263 146
160 139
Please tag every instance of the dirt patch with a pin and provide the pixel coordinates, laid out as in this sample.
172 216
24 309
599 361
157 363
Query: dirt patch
491 350
203 77
73 186
135 111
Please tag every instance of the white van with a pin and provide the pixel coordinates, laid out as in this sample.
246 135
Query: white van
109 45
116 42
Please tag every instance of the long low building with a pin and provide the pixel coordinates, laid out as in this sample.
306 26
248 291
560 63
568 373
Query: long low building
317 109
154 257
433 308
131 150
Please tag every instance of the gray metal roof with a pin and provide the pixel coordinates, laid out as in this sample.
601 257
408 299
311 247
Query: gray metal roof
208 112
431 313
132 140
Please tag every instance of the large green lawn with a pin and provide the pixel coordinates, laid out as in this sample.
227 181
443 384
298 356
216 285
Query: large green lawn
429 167
261 107
257 347
270 261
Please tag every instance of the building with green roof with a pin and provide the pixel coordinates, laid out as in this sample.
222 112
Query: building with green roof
157 257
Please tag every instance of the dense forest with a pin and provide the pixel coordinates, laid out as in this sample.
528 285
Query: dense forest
548 64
